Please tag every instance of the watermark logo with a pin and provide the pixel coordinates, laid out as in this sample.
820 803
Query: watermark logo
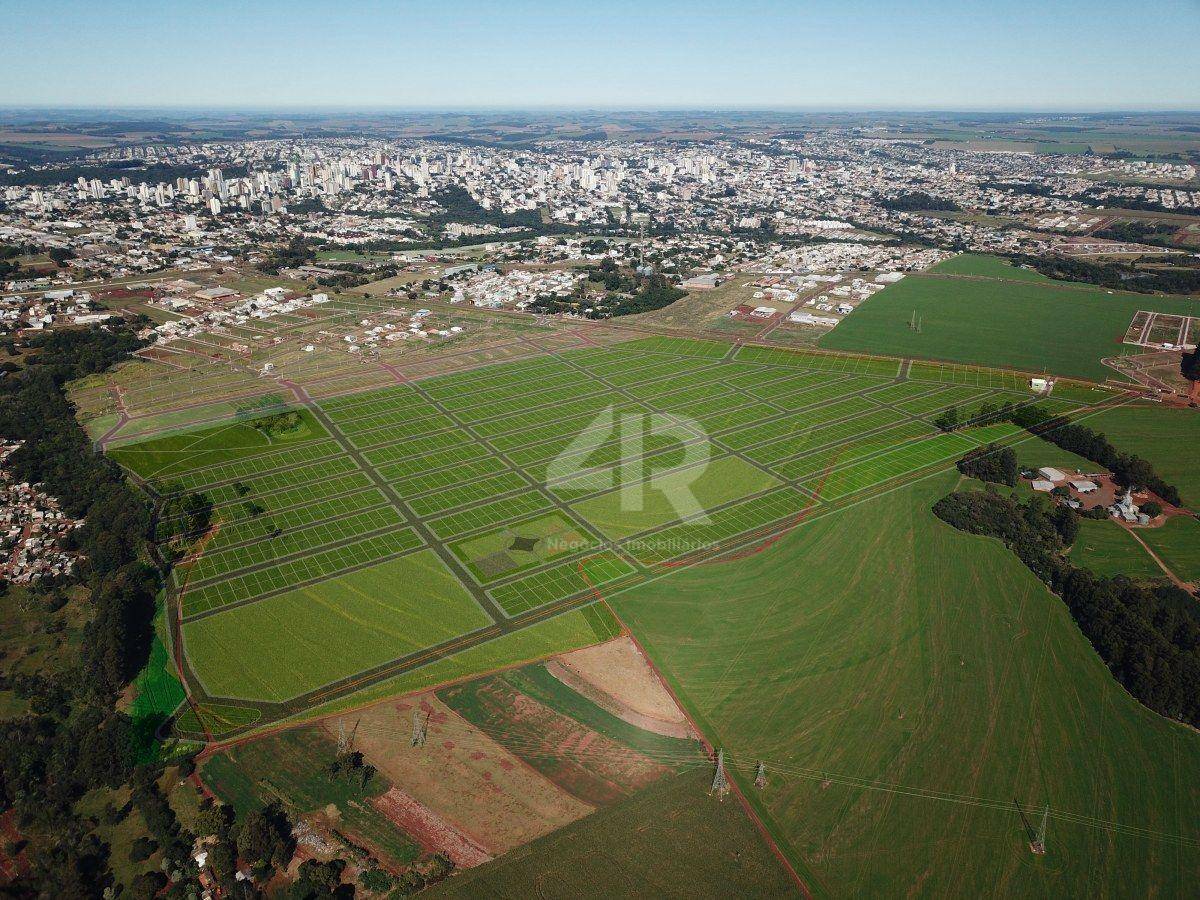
637 476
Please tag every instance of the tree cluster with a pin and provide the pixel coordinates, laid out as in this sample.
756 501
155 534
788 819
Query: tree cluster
1118 276
991 463
1147 634
918 200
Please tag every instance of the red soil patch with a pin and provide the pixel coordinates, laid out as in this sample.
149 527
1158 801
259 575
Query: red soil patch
430 830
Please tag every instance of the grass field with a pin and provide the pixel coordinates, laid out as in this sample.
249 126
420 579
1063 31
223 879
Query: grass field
903 683
1177 543
1108 549
984 266
287 644
1167 437
1061 328
667 841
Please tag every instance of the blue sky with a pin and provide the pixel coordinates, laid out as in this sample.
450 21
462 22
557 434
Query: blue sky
1012 54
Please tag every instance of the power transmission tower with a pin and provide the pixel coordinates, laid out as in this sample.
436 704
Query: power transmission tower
912 322
420 728
760 777
720 784
343 741
1038 845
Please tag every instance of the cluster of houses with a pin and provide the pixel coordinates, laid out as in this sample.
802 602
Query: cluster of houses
514 289
31 529
217 307
35 312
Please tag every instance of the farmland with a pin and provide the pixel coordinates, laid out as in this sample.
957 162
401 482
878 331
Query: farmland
1108 549
396 535
1015 321
851 682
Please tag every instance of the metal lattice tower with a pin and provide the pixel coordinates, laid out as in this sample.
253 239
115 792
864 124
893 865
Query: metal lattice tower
720 784
420 728
1039 842
343 741
760 777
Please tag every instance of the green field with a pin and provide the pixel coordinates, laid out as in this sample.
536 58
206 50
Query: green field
1108 549
667 496
1167 437
1177 543
277 648
186 451
905 683
513 473
670 840
984 266
1061 328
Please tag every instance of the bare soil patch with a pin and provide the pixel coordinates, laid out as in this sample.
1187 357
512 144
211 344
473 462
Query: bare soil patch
477 787
618 679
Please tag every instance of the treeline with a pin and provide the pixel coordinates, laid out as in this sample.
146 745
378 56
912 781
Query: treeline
1117 276
1129 470
918 200
1147 634
74 739
1139 233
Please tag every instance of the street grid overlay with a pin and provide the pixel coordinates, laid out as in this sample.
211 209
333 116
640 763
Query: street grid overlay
439 479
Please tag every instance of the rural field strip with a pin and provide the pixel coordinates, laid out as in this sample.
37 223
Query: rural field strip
291 496
257 465
213 566
251 530
259 584
274 481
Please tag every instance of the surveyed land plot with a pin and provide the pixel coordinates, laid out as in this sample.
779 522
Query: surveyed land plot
521 545
312 567
814 461
670 496
821 435
863 365
253 528
331 630
488 514
287 543
564 580
693 537
281 479
895 463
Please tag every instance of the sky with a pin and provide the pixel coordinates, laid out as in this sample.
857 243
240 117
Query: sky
527 54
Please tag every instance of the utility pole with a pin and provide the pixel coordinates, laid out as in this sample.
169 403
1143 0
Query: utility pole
420 728
720 784
1038 845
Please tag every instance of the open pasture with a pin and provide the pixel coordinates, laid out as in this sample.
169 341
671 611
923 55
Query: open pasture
1055 327
907 687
